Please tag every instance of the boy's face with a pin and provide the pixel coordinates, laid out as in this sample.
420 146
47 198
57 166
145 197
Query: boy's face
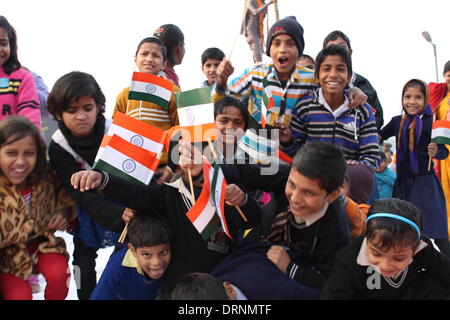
153 260
389 262
305 196
284 54
80 117
230 125
382 166
209 70
149 58
341 43
333 75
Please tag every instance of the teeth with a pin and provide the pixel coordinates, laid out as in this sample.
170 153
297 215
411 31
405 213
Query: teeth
19 170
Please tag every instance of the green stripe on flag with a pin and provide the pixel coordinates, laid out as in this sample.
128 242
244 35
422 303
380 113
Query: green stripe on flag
193 97
210 228
104 166
441 140
149 98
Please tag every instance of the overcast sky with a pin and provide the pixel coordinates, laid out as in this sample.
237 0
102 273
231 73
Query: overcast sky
100 37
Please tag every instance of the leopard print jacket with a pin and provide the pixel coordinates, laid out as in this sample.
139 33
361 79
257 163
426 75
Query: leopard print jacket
17 222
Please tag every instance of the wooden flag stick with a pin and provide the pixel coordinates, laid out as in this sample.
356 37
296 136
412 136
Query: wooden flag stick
211 146
429 163
277 13
191 185
123 234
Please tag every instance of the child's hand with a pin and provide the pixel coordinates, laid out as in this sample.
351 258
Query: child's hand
164 175
127 215
432 149
58 222
234 196
356 98
86 180
279 257
352 162
190 158
224 70
285 132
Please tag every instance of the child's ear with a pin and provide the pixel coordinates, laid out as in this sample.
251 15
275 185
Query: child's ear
333 195
231 293
132 249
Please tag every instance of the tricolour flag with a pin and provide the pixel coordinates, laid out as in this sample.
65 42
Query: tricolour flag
128 161
136 132
150 88
267 104
196 114
441 132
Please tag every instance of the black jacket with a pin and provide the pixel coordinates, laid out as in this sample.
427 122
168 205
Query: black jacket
372 98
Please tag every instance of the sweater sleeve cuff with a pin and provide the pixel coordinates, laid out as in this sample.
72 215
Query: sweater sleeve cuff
105 180
292 269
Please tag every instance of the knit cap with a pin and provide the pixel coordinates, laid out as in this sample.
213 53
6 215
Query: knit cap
290 26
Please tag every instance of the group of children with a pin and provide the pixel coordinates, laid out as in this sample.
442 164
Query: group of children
310 240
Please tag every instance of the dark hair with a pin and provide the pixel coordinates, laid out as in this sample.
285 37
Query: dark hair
334 36
171 36
199 286
12 64
322 161
148 229
212 53
73 86
391 232
446 67
307 56
382 156
333 50
14 128
230 101
153 40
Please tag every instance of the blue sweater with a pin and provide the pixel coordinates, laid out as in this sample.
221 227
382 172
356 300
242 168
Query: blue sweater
124 283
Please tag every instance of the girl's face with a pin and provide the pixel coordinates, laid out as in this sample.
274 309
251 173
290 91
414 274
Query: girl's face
447 80
413 101
333 75
230 125
5 50
80 117
149 58
389 262
18 159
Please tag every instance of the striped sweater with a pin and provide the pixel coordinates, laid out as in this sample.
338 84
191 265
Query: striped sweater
354 130
149 112
260 83
18 96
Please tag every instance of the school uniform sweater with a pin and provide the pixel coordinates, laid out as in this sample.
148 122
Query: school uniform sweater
190 252
428 276
18 96
123 279
354 130
260 83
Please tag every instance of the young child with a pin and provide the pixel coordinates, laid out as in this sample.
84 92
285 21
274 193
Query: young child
211 59
325 116
416 180
339 38
34 206
173 39
151 57
191 252
306 61
283 80
394 260
17 88
134 272
440 103
77 103
385 178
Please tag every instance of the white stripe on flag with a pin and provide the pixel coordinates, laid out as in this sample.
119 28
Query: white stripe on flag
150 88
196 115
205 217
217 195
127 165
440 132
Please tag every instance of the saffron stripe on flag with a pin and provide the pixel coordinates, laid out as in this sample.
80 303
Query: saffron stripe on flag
150 78
441 124
199 133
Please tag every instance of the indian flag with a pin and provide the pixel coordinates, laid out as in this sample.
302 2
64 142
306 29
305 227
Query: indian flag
150 88
218 187
196 114
441 132
136 132
267 104
127 161
202 212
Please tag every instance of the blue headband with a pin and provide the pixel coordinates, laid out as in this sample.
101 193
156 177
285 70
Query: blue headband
395 216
